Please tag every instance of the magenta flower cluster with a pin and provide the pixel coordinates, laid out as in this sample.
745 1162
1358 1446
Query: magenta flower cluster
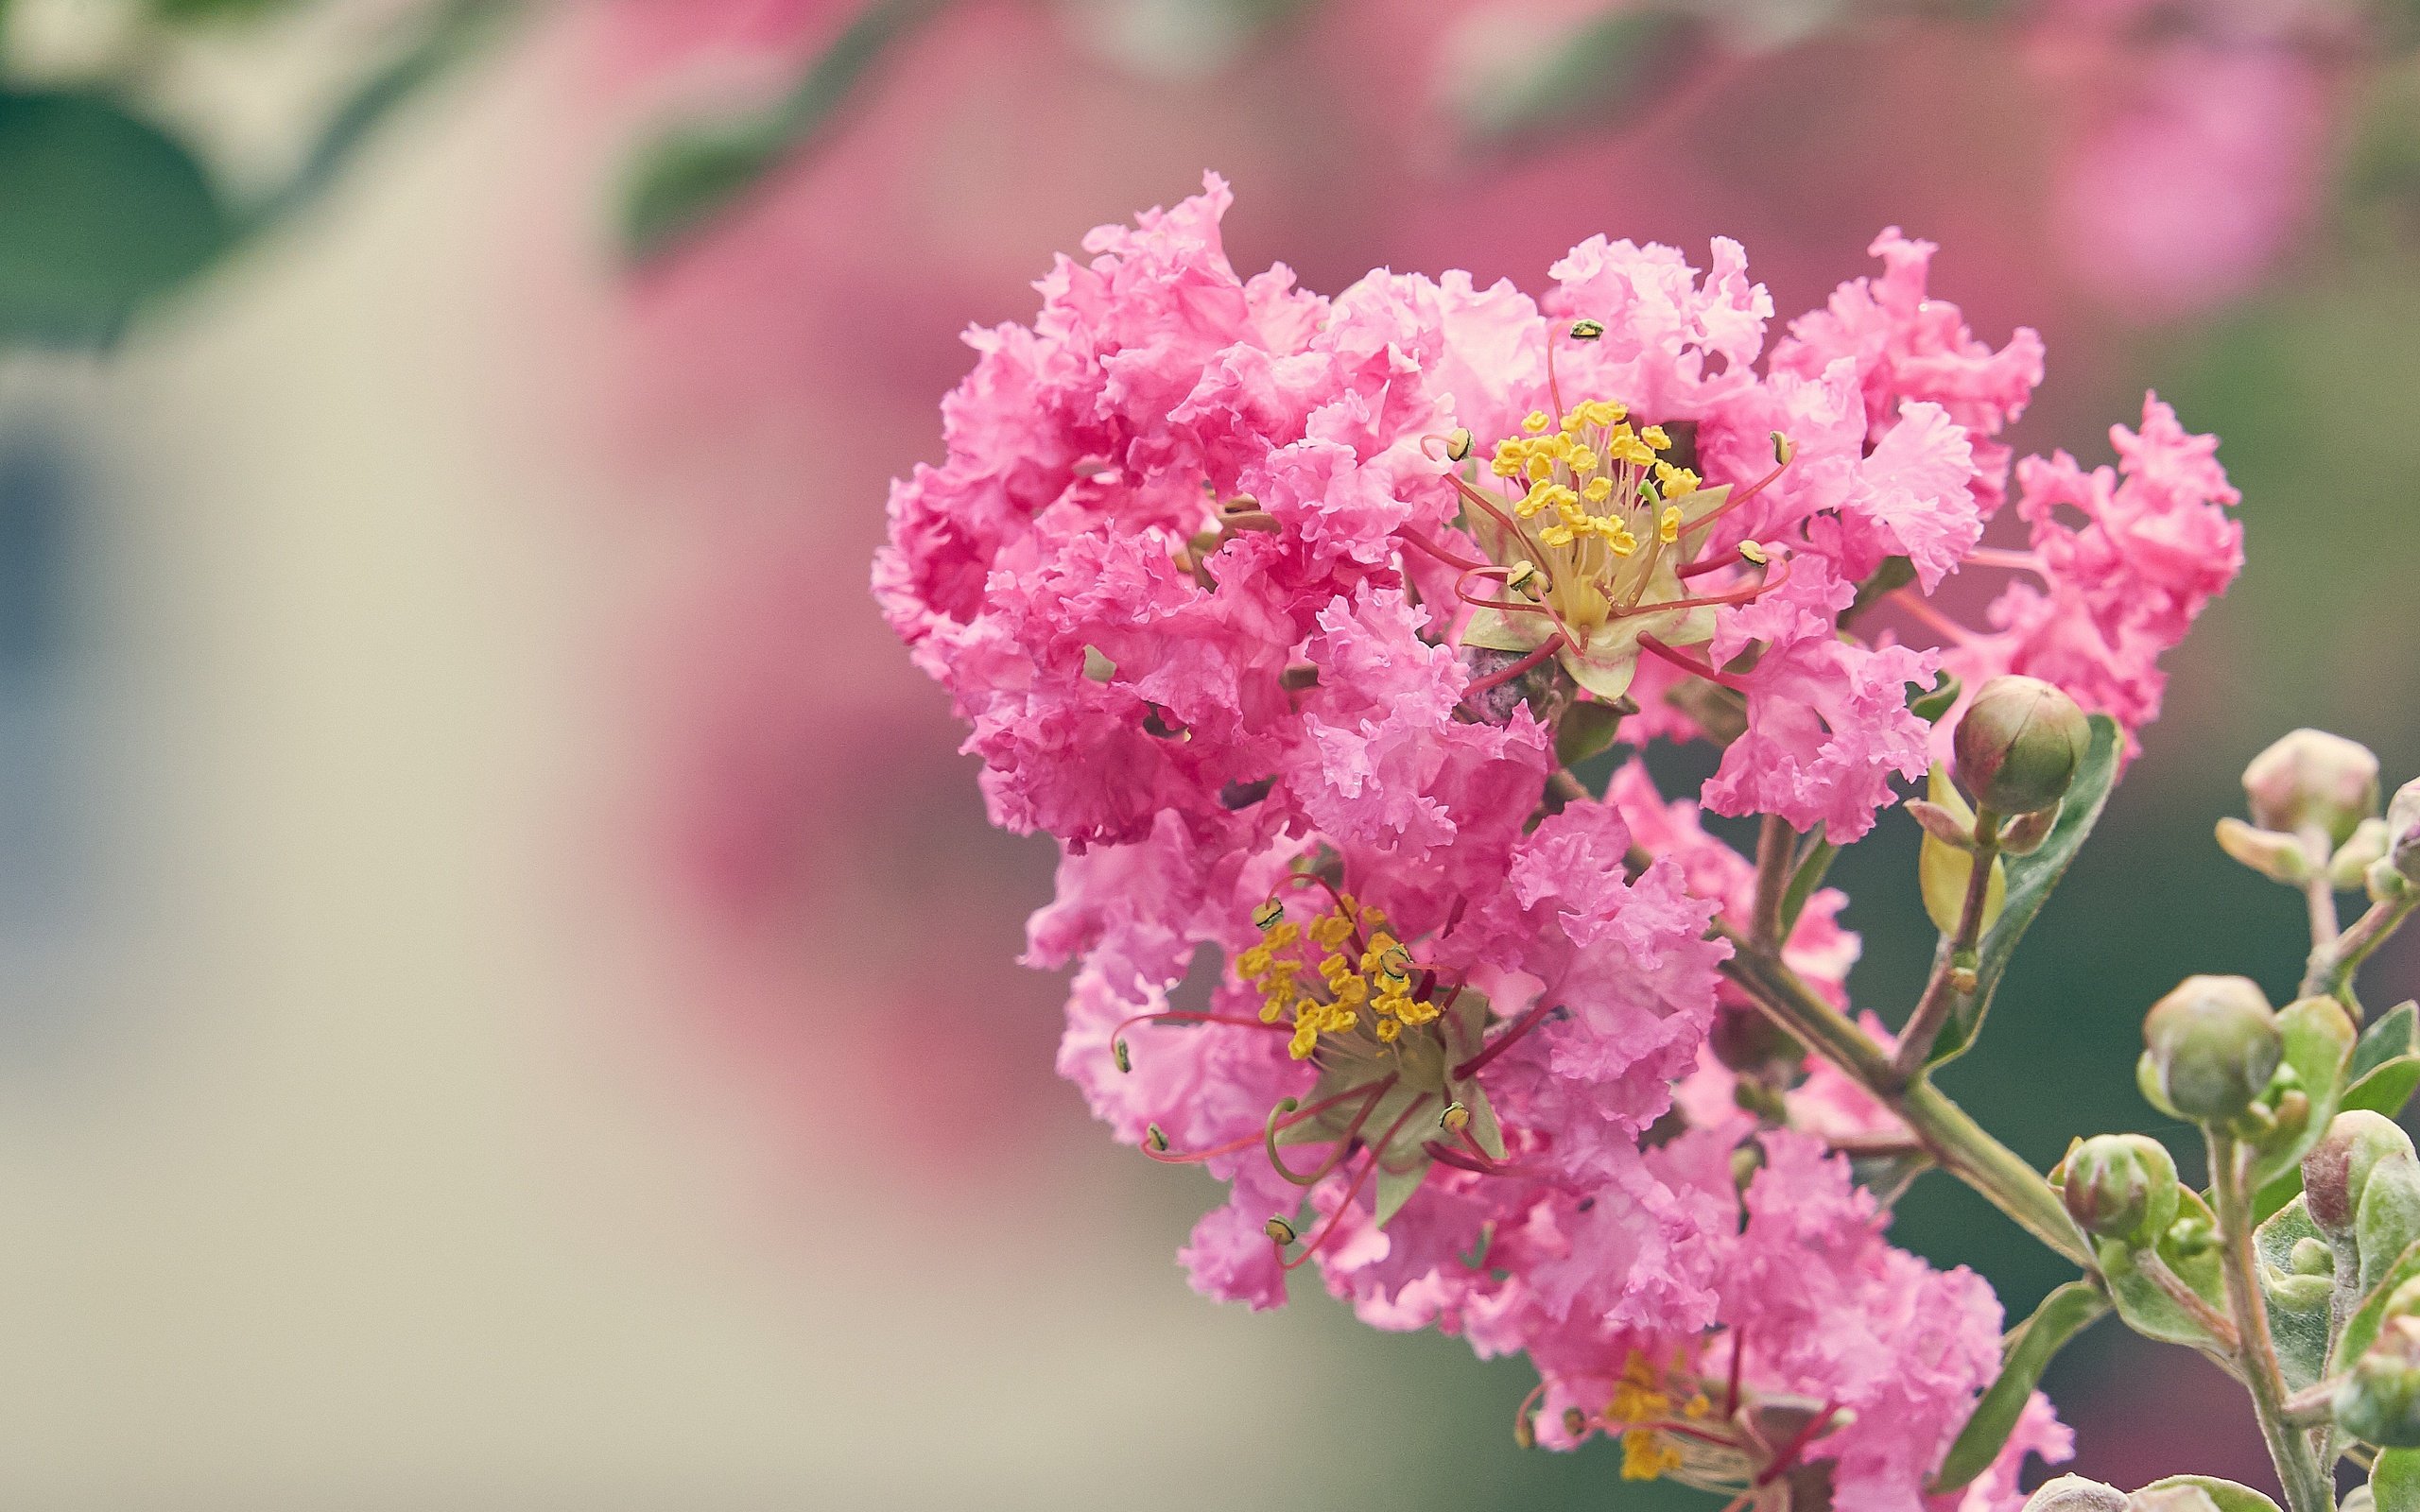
1279 611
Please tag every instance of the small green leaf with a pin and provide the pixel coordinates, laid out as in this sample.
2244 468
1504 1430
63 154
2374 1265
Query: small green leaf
2226 1495
1810 876
2027 1352
2395 1480
1937 700
101 214
2147 1309
1598 76
696 171
2318 1038
2298 1305
1943 870
2032 878
447 33
2393 1034
2369 1314
218 11
2386 1089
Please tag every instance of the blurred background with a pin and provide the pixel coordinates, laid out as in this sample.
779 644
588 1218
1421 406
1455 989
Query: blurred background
506 994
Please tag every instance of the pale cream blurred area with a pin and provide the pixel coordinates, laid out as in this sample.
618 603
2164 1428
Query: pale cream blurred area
355 1151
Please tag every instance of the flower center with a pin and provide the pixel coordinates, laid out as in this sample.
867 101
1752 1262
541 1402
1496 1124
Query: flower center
1342 977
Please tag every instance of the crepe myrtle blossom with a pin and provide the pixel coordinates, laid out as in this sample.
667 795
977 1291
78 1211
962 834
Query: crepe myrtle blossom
1285 613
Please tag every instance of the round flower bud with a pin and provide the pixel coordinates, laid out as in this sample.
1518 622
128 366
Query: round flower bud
2122 1187
2073 1493
2210 1047
2380 1400
2338 1166
2313 777
2019 744
2403 831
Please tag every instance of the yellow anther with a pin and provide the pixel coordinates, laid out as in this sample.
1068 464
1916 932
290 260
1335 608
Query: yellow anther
1279 1232
1389 1031
1524 573
1457 444
1154 1139
1588 329
1597 490
1654 435
1331 930
1556 535
1581 461
1305 1040
1541 467
1535 422
1254 963
1507 464
1646 1456
1750 552
1668 525
1675 482
1782 451
1696 1406
1265 917
1455 1119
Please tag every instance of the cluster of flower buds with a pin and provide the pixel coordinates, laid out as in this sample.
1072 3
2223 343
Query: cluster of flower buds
2313 798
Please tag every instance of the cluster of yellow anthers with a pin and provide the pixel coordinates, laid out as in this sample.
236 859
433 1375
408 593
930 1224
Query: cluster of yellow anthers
1639 1400
1360 969
1601 480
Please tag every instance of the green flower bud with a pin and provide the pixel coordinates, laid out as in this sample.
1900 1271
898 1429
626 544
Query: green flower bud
2122 1187
2380 1400
2073 1493
2338 1166
2019 744
2310 1257
2313 777
2210 1047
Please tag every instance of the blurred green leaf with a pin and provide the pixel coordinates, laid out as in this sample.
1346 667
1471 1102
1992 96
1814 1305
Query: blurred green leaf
2030 879
695 171
451 32
1599 75
213 11
106 213
2394 1481
2063 1314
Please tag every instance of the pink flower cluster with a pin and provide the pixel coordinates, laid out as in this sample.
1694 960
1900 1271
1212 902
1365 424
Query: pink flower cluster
1273 609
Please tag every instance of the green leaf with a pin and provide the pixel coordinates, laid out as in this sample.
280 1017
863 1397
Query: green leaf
1942 870
2384 1090
2317 1044
1597 76
2030 879
217 11
449 32
2395 1480
2298 1305
2369 1314
2392 1035
1396 1185
104 214
2063 1314
697 171
1803 881
2147 1309
2227 1495
1492 630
